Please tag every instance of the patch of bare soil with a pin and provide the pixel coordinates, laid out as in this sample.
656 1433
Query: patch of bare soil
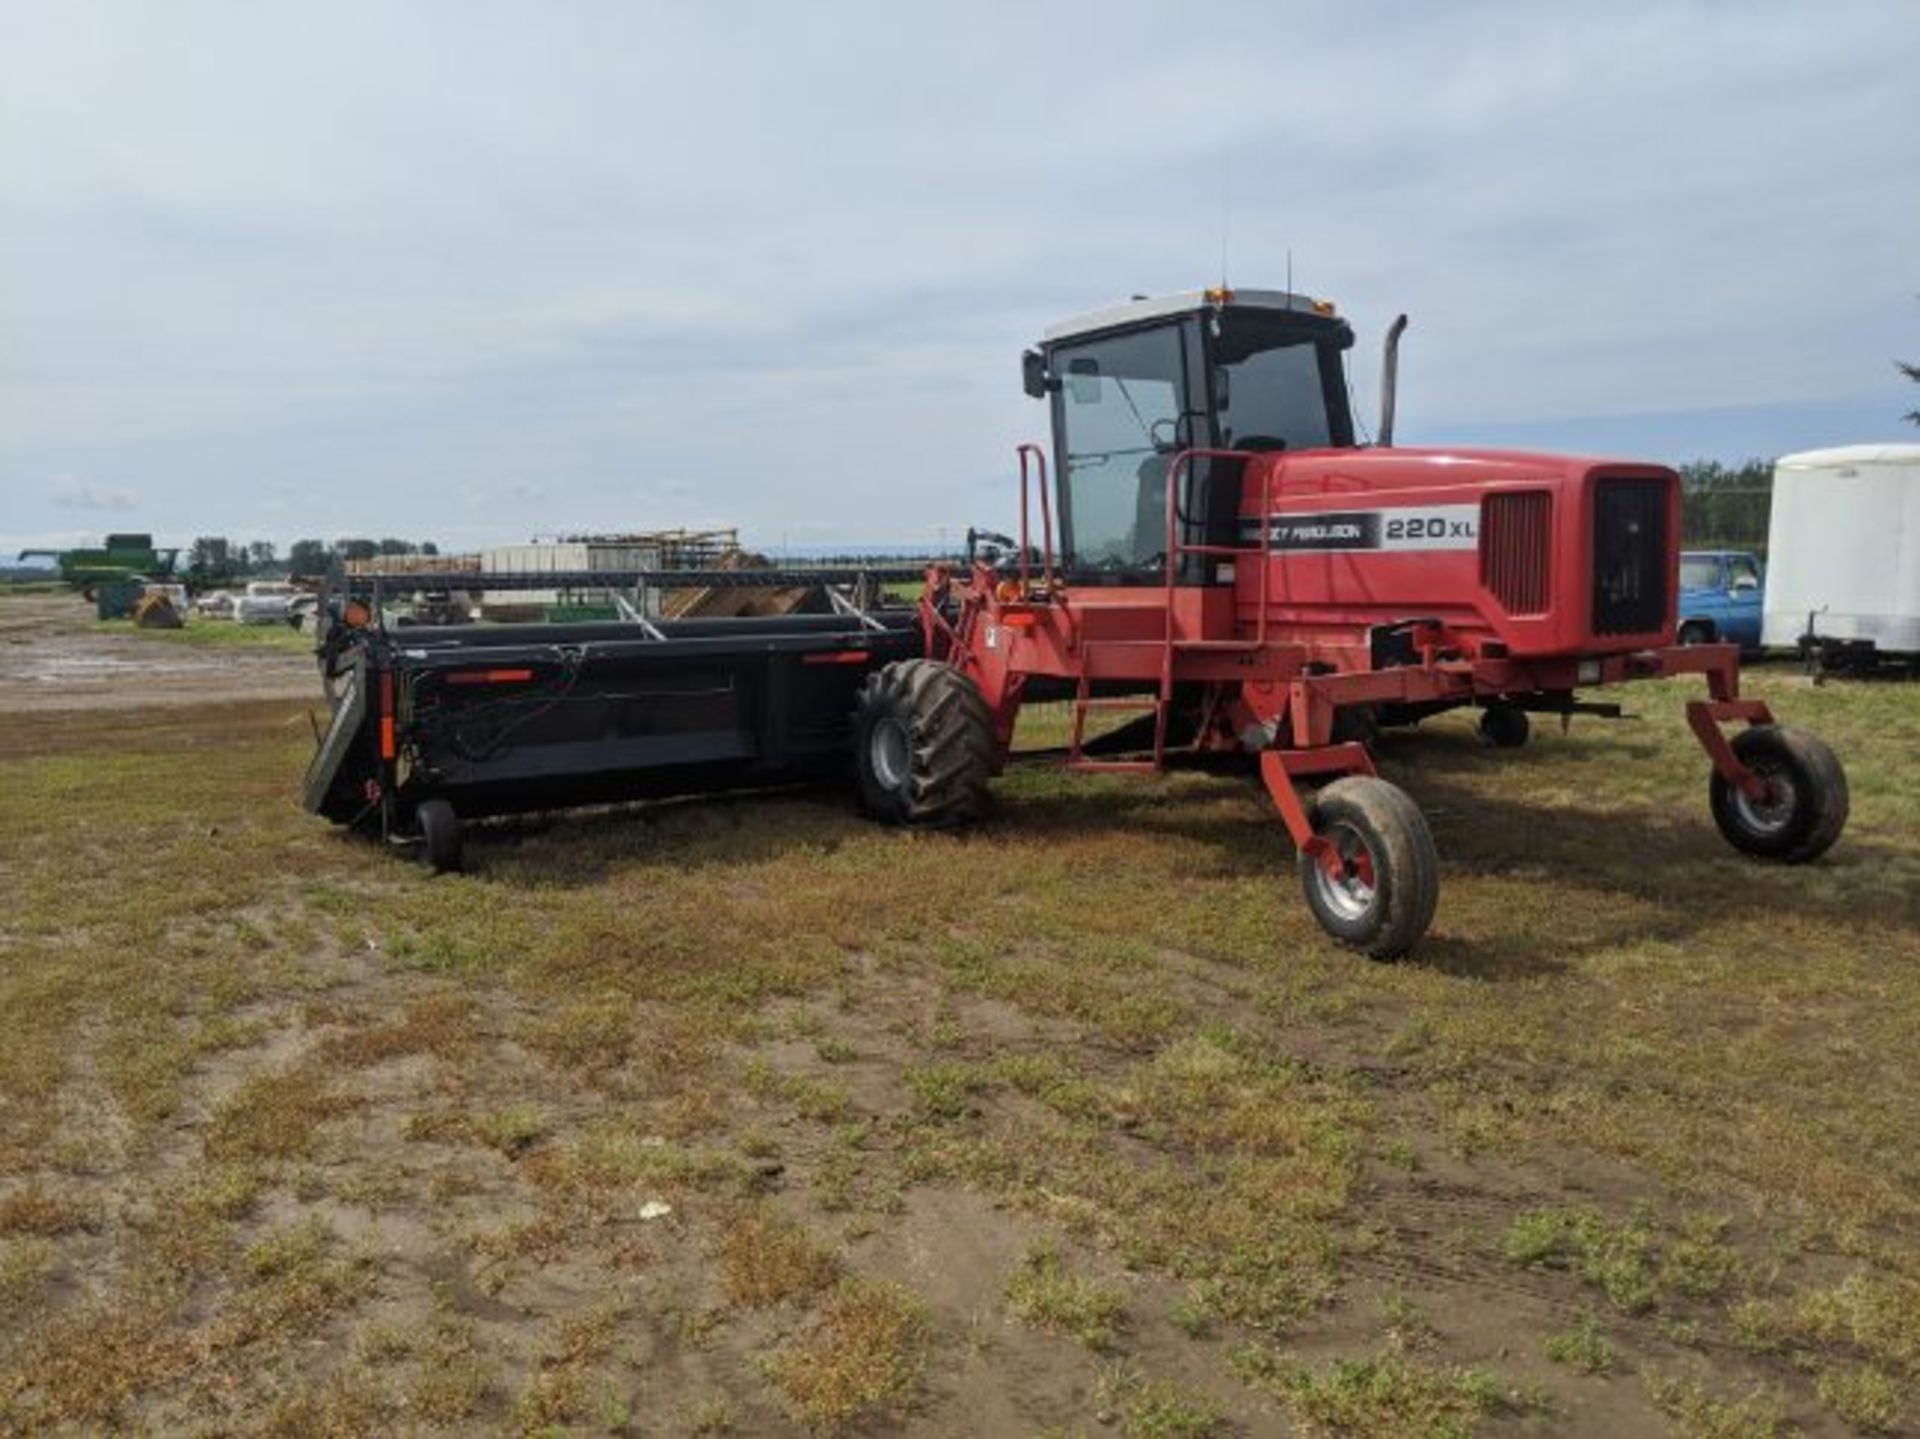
53 657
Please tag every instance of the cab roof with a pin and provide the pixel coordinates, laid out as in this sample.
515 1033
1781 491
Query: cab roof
1838 455
1183 302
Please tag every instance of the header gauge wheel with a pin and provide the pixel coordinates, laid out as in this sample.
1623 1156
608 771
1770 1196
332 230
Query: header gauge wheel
442 835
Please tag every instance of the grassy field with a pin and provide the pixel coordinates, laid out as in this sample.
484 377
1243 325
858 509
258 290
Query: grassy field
201 633
747 1116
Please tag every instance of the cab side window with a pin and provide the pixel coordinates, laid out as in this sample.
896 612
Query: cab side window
1120 405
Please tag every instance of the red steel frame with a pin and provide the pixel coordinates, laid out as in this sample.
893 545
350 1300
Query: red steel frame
1276 691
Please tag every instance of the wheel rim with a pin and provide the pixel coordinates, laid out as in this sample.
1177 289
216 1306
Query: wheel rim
888 753
1774 813
1346 883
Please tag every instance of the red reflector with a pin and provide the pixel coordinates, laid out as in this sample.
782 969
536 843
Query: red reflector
489 677
387 746
838 657
1018 619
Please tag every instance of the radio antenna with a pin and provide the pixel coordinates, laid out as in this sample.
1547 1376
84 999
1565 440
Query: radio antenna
1289 277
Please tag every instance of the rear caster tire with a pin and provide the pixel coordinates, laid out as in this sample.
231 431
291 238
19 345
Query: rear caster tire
923 745
1806 805
442 834
1378 893
1504 727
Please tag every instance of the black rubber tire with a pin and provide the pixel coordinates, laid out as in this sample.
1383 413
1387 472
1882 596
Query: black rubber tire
1695 632
923 745
1406 866
1806 822
1504 726
443 836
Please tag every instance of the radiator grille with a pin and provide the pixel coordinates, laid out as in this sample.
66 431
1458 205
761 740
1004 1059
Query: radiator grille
1516 538
1629 556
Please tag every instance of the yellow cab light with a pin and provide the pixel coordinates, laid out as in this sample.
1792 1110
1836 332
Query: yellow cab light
1323 307
1219 295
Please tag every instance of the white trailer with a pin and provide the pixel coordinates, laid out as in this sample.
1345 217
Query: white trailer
1843 553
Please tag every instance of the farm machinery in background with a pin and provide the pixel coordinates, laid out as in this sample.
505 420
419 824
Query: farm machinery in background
122 557
1217 556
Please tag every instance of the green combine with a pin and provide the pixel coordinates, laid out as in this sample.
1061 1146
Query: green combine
122 557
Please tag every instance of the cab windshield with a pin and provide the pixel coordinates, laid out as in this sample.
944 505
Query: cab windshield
1271 384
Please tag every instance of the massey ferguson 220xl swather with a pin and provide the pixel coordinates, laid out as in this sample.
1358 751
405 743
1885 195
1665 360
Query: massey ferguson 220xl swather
1219 557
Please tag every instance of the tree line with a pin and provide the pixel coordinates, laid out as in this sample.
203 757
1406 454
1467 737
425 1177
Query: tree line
1726 506
216 559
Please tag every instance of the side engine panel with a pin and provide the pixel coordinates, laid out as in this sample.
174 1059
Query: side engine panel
1544 554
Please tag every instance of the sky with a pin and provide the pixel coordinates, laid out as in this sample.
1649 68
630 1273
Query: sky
478 271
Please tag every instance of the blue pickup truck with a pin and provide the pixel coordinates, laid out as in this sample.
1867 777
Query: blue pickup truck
1721 598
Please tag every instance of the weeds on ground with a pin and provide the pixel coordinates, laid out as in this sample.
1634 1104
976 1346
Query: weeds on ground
564 1388
1408 1325
862 1354
1385 1397
766 1260
1865 1397
1043 1292
1697 1413
1150 1408
1631 1262
1582 1347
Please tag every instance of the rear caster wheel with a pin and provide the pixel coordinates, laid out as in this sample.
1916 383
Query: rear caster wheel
1504 727
443 835
1806 803
1376 888
923 745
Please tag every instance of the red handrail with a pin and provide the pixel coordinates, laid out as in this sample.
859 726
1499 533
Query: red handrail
1046 519
1176 548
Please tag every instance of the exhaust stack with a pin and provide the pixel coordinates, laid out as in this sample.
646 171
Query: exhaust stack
1390 378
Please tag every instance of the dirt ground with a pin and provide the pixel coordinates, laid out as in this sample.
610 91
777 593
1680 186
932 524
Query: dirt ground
746 1116
54 656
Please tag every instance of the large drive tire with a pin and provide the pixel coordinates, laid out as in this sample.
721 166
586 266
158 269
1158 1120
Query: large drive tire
1383 898
1504 726
442 835
923 745
1807 806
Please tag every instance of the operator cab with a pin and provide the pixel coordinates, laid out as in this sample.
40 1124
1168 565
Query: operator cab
1134 385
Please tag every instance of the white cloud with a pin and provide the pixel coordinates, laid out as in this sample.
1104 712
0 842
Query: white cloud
78 495
441 266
